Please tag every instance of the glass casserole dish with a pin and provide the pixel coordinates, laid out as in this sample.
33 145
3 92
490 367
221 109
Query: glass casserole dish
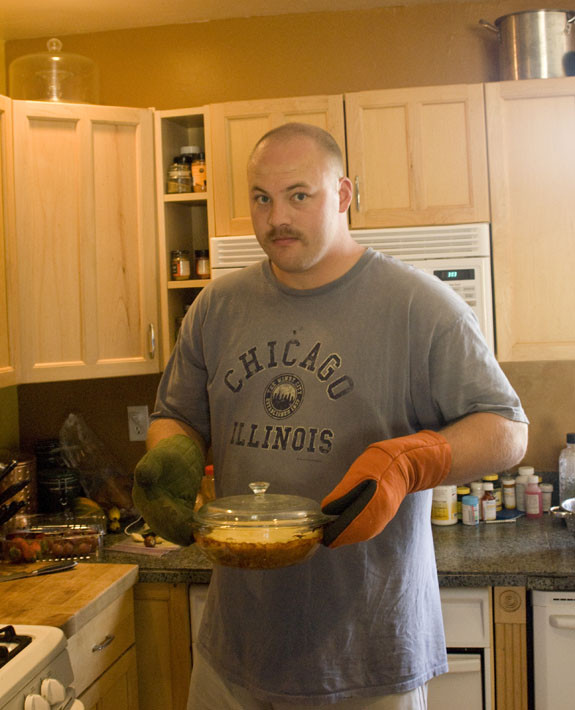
260 531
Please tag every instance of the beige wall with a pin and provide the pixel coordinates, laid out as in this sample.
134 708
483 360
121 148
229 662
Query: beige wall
185 66
289 55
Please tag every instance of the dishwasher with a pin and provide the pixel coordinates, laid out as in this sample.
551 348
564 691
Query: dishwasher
553 649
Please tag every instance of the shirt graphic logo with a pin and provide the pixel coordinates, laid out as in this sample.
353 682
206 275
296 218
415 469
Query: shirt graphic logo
283 396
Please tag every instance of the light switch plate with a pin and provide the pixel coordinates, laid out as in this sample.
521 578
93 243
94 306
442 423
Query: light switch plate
138 422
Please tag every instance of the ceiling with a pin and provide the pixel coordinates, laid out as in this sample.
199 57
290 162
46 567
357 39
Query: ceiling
26 19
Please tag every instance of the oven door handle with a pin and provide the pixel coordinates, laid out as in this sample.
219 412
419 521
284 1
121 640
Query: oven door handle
562 621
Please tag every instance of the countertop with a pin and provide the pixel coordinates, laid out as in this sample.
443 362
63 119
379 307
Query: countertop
69 599
536 554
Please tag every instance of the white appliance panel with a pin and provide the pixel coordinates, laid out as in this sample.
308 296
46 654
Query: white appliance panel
460 255
554 649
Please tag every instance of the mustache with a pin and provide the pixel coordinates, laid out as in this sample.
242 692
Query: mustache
282 233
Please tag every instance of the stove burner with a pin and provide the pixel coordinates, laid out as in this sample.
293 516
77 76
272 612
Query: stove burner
11 644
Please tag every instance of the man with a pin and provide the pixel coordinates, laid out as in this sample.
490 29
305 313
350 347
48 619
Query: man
391 391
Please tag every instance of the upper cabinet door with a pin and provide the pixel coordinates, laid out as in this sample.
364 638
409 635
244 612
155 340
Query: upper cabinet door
237 126
8 298
417 156
85 230
532 177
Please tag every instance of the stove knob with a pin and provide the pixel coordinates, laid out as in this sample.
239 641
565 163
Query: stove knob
36 702
53 691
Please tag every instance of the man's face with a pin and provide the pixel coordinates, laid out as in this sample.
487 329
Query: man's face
296 207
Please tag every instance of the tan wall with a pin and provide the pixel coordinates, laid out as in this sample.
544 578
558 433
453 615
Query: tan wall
184 66
289 55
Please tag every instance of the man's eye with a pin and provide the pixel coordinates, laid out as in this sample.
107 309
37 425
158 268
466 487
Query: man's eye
261 199
299 196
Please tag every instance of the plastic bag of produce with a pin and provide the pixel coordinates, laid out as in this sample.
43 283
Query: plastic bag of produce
101 475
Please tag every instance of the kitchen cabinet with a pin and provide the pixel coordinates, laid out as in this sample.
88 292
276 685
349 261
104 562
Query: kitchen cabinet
163 645
511 658
237 126
103 657
185 220
532 181
8 359
417 156
85 241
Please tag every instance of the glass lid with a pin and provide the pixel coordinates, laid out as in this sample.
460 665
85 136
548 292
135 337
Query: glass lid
261 509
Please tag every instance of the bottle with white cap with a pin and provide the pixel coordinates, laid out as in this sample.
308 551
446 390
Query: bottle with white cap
521 481
533 498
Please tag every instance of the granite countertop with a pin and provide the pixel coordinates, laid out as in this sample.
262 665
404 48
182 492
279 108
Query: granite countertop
537 554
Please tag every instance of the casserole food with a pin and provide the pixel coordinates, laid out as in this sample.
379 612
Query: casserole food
260 531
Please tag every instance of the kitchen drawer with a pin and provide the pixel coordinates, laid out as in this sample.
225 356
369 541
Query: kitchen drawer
101 641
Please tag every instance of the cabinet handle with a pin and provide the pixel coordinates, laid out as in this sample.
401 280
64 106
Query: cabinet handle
105 643
151 341
357 195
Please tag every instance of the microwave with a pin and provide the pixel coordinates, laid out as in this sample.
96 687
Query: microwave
459 255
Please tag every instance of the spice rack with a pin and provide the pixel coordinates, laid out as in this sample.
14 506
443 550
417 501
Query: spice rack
185 220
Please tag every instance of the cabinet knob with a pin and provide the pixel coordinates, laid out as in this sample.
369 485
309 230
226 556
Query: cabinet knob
105 643
357 195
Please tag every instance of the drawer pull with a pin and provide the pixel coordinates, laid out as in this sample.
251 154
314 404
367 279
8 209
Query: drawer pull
105 643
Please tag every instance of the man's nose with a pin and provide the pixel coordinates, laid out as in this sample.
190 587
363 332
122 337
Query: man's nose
278 214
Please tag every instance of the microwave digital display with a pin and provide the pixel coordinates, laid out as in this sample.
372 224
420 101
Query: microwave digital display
455 274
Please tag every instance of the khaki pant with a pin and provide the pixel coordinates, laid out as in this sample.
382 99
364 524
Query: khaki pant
208 691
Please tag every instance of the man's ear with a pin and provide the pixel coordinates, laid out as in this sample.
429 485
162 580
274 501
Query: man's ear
345 193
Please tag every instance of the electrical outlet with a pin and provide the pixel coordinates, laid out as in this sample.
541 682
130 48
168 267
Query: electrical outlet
138 422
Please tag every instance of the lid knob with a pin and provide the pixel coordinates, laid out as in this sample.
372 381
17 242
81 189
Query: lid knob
259 487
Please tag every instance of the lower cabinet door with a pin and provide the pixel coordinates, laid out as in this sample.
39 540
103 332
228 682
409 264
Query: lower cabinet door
117 688
461 687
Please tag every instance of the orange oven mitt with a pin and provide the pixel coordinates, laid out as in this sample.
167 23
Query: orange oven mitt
370 493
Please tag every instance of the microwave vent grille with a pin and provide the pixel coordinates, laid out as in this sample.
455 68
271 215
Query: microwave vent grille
417 243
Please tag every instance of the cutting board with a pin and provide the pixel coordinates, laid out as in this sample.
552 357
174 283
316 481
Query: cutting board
67 599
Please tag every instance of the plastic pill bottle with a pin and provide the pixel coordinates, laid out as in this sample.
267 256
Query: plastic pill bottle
533 498
470 510
444 505
509 499
488 503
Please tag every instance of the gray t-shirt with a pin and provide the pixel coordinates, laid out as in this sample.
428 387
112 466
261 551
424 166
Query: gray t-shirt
290 386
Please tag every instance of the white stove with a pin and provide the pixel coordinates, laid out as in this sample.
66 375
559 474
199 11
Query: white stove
35 670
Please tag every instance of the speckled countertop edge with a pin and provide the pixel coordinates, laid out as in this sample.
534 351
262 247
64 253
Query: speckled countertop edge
536 554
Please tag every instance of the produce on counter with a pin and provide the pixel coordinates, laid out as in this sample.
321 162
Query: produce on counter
27 546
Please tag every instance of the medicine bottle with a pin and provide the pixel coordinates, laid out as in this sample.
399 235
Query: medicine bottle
477 490
470 510
488 503
521 481
509 499
533 498
546 496
567 470
444 505
180 265
462 491
494 478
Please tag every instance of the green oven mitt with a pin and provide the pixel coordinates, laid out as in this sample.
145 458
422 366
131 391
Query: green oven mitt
370 493
166 482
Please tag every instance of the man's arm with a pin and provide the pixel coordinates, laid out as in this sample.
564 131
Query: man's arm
164 428
483 443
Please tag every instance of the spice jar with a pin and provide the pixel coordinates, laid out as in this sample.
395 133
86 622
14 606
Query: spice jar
202 258
199 177
180 265
179 176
